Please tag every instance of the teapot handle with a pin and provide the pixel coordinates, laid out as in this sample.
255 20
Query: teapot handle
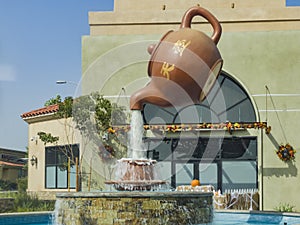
199 11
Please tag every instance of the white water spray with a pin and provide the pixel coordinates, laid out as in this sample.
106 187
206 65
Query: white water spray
137 147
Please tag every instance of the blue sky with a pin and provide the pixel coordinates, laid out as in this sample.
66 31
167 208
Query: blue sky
40 42
292 2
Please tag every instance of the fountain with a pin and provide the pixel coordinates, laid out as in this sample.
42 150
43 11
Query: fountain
136 173
183 67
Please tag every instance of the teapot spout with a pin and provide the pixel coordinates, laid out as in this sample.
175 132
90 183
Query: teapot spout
137 101
149 94
163 93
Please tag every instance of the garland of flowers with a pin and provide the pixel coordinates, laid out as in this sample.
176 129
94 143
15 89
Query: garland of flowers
196 127
286 152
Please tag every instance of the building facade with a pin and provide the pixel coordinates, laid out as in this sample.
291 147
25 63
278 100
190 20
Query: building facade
58 159
48 160
260 49
258 87
12 164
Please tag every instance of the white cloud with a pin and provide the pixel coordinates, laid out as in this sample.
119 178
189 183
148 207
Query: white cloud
7 73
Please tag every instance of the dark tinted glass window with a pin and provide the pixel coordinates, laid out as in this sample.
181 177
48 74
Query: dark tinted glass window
57 158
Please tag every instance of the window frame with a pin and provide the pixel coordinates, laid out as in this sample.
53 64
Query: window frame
219 158
61 160
238 107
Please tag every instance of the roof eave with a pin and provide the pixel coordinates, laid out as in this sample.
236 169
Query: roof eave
41 118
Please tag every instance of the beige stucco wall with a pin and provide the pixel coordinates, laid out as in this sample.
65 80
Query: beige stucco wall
64 129
148 17
270 58
94 172
260 46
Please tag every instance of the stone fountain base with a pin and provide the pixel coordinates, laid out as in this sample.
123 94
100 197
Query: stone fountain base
134 208
128 185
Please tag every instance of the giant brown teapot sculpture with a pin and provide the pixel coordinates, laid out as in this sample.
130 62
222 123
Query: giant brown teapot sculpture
183 65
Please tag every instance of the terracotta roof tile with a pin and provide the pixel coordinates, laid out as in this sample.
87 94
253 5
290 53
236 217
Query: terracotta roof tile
42 111
10 164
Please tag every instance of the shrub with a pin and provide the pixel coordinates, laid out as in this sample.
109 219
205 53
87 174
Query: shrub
27 203
22 184
7 185
285 208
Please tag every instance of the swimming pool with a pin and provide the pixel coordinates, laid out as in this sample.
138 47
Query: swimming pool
255 217
220 218
32 218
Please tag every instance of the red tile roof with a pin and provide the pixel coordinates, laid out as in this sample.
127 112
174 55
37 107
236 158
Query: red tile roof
10 164
42 111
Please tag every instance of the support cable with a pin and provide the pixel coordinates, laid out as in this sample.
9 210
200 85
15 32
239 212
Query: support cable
273 104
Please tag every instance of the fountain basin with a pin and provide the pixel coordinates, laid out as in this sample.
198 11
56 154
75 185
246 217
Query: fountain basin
134 208
136 175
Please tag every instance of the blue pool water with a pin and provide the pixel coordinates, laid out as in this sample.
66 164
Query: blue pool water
26 219
220 218
246 218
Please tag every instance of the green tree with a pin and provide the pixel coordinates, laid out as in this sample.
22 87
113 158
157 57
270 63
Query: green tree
53 101
65 108
94 115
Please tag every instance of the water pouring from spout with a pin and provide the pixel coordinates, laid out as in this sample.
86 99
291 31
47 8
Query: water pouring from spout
136 146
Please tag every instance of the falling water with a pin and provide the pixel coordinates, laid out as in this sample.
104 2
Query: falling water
55 214
137 147
137 172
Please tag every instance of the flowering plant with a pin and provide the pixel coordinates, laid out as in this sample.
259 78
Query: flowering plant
286 152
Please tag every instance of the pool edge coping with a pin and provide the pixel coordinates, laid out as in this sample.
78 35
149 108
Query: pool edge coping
250 212
27 213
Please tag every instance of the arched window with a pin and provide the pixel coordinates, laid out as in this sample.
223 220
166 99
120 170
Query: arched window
217 160
227 101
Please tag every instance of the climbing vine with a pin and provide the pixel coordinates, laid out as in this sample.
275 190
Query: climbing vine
47 138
